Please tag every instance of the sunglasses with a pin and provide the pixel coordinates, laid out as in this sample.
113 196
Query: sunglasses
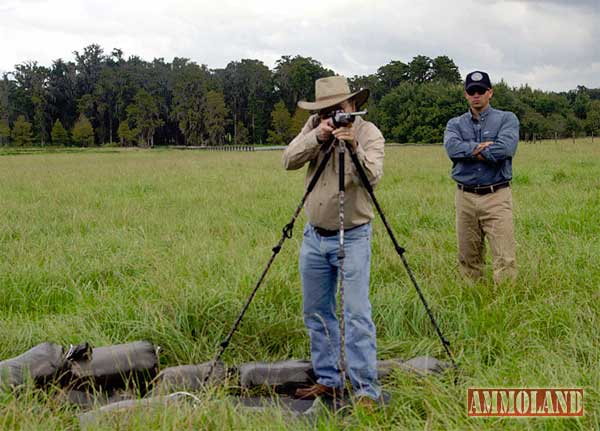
328 112
479 90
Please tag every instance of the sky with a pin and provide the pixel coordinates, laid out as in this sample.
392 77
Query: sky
548 44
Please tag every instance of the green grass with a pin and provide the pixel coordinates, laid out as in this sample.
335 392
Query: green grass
116 246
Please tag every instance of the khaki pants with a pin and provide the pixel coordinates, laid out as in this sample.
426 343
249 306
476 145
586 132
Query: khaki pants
478 216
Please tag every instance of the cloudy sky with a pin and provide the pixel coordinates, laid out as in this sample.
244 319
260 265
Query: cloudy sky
550 44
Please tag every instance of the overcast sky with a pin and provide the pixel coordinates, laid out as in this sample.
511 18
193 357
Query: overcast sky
550 44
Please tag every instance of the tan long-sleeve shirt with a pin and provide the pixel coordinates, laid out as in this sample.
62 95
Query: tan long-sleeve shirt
322 203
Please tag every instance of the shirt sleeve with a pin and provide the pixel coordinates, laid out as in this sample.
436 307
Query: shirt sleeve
455 146
370 151
303 147
505 145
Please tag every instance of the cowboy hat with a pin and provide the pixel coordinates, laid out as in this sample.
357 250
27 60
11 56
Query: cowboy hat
333 90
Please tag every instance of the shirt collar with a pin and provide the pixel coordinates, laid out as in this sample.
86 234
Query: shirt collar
482 114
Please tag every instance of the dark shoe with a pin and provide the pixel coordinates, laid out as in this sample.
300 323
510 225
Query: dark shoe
317 390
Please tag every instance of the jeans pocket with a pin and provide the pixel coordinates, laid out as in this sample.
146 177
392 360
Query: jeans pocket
306 230
362 232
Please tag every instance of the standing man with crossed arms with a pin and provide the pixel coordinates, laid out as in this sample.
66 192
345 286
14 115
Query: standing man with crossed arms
481 144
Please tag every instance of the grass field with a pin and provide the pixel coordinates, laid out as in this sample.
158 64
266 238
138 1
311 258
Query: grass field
117 246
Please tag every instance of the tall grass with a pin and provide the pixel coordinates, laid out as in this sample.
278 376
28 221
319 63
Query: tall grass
110 247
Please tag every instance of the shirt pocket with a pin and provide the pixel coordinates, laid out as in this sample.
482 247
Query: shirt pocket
488 135
468 133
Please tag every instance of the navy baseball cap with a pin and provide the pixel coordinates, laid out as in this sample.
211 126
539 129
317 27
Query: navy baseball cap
478 79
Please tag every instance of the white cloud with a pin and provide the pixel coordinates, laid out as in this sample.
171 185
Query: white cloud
549 44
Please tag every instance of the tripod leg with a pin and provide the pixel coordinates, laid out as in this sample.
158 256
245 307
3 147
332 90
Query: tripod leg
400 250
341 255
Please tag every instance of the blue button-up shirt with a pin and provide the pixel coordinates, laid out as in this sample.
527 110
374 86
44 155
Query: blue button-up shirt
464 133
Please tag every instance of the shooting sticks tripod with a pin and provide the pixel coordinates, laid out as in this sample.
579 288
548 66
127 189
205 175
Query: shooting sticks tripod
287 233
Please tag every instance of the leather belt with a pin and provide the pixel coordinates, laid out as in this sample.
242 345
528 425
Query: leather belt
483 190
328 233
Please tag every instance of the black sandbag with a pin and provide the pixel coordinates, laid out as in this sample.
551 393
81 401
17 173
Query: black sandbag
190 377
131 365
42 363
291 373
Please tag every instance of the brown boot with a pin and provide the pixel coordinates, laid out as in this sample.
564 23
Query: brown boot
366 404
317 390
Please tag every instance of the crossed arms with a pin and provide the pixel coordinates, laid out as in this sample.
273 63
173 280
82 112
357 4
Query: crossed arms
502 148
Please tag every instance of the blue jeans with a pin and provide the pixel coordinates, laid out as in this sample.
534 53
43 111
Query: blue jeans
319 270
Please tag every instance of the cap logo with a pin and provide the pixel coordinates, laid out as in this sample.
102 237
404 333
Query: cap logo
476 76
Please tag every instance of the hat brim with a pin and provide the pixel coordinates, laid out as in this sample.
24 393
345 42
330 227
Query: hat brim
360 97
478 85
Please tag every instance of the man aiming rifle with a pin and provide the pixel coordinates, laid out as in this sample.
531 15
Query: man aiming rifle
320 258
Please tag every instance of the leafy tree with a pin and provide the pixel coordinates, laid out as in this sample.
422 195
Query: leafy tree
443 69
281 134
242 136
4 131
214 117
89 66
62 92
581 102
508 99
86 106
391 75
299 120
105 95
295 78
370 82
419 113
534 123
574 125
592 123
189 92
4 112
59 134
249 94
83 132
126 135
22 133
557 125
32 89
144 114
420 69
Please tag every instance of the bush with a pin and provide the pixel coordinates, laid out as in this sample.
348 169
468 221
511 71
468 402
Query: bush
59 134
83 132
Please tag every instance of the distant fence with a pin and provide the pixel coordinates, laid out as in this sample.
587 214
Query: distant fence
534 138
227 147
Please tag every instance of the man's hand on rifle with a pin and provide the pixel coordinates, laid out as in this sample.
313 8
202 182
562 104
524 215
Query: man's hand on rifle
346 134
324 130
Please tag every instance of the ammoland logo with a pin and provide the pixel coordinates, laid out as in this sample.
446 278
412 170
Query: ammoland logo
520 402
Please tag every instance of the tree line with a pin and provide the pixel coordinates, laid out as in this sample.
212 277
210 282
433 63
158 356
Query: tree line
107 99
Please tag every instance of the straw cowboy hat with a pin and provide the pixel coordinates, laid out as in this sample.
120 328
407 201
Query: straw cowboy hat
333 90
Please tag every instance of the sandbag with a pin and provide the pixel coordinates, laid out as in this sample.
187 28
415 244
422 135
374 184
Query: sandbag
42 363
290 373
426 365
190 377
119 366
